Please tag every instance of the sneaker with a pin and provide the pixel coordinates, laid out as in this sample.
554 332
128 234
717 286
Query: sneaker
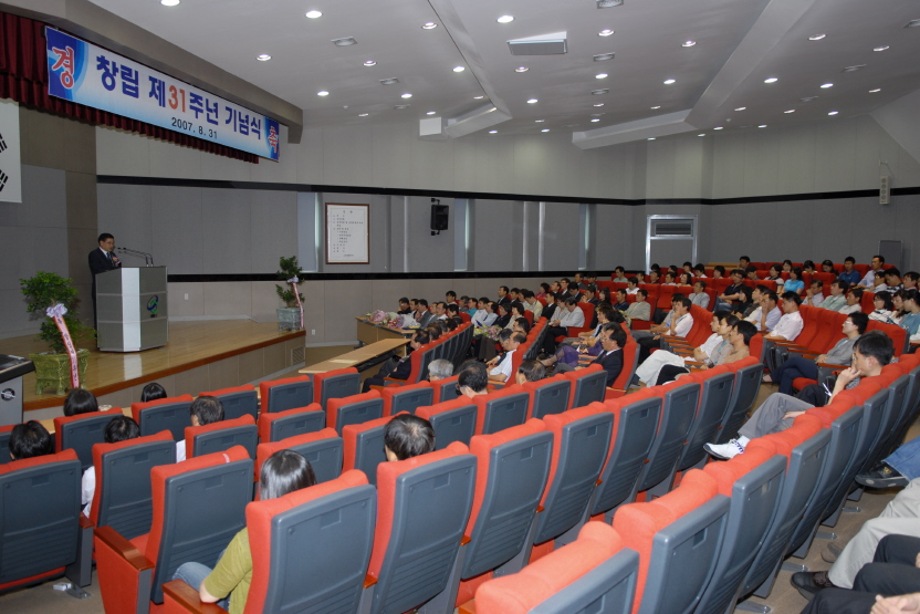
725 451
809 583
883 476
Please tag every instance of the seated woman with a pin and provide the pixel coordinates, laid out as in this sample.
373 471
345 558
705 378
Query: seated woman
80 401
739 339
284 471
795 282
884 308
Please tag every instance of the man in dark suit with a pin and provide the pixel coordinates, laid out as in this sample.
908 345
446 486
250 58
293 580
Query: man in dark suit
398 368
102 259
613 338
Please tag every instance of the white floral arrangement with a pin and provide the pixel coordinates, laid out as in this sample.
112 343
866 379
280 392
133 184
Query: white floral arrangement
391 319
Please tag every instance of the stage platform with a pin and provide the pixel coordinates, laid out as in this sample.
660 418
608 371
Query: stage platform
200 356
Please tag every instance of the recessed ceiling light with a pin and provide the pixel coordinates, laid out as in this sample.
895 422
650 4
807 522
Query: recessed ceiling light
881 48
787 111
875 91
406 96
493 131
459 68
545 130
605 32
600 92
598 104
429 25
762 126
363 114
604 57
345 41
480 97
322 93
505 19
807 98
701 134
169 2
656 107
314 14
816 37
770 80
608 4
651 138
826 86
832 113
670 81
853 68
740 108
400 107
389 81
600 75
687 44
370 63
532 101
717 128
521 69
595 120
913 23
430 112
263 57
539 121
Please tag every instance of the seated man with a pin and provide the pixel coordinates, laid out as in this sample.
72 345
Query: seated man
500 366
699 296
677 324
440 369
814 296
877 265
485 314
709 352
203 410
532 305
639 310
571 315
898 469
787 329
407 436
632 286
472 379
732 297
29 440
849 274
422 314
403 306
871 352
739 338
613 339
119 428
529 371
398 368
837 298
765 300
853 301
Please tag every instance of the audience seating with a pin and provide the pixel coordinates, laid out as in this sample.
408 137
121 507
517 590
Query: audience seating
198 506
549 396
171 413
406 398
593 574
219 436
353 409
41 532
323 449
748 375
282 424
715 394
81 431
335 385
5 432
630 363
501 409
283 579
588 385
237 401
363 446
453 420
123 497
444 389
423 504
288 393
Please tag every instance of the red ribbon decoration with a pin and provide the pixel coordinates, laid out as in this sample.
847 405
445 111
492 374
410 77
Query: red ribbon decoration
56 313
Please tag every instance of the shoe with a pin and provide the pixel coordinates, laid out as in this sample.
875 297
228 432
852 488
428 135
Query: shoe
725 451
767 379
809 583
831 552
882 476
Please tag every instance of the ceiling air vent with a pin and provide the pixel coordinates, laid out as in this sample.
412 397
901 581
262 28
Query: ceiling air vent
542 44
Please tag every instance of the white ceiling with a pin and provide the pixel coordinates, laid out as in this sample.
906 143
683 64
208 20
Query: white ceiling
738 44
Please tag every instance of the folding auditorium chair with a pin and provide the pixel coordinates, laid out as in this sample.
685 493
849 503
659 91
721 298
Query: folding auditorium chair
5 432
363 447
237 401
453 420
406 398
423 504
81 431
748 375
353 409
549 396
123 497
804 445
898 382
322 448
42 535
752 481
282 530
630 363
588 385
216 437
635 424
678 537
511 471
279 425
171 413
715 394
500 409
418 364
335 384
581 439
198 506
593 574
287 393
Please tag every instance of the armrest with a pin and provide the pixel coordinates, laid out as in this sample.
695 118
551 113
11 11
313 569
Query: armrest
829 365
125 574
180 598
806 353
80 572
614 393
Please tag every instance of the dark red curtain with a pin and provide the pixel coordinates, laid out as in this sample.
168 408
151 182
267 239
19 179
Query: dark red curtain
24 78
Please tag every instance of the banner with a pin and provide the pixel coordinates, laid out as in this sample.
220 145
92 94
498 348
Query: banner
10 163
90 75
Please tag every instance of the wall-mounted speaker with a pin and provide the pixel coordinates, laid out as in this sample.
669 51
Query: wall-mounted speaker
440 214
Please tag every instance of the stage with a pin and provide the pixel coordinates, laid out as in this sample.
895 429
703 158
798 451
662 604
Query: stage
200 356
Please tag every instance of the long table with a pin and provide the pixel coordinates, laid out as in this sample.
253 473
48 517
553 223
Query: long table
356 357
368 332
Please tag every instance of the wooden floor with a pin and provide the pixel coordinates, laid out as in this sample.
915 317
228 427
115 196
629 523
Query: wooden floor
191 344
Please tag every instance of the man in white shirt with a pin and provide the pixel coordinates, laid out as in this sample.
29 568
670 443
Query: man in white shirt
678 324
532 305
787 329
500 366
485 313
570 315
814 296
768 314
878 262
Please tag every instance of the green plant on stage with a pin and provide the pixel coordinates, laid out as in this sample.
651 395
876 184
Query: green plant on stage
44 290
288 268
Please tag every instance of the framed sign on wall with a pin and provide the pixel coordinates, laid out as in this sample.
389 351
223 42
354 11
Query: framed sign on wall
347 234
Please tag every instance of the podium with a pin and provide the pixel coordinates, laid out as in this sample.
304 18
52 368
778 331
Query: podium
12 369
131 309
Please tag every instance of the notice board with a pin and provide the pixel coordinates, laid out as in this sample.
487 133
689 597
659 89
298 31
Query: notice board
347 234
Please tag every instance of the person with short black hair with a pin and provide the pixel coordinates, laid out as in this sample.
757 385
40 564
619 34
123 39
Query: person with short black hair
699 296
500 371
571 315
119 428
153 392
731 297
837 297
399 367
102 259
472 379
29 440
619 275
709 353
204 410
422 315
80 401
407 436
814 295
877 265
677 324
529 371
404 306
450 297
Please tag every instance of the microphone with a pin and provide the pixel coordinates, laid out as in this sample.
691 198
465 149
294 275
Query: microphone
148 257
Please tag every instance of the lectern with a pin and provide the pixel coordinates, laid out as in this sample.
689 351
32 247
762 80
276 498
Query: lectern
131 309
12 369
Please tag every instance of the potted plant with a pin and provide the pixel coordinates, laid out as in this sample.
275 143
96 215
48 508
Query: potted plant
289 316
42 291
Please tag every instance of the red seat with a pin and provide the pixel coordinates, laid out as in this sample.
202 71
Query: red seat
171 413
81 431
323 449
221 435
286 393
276 426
